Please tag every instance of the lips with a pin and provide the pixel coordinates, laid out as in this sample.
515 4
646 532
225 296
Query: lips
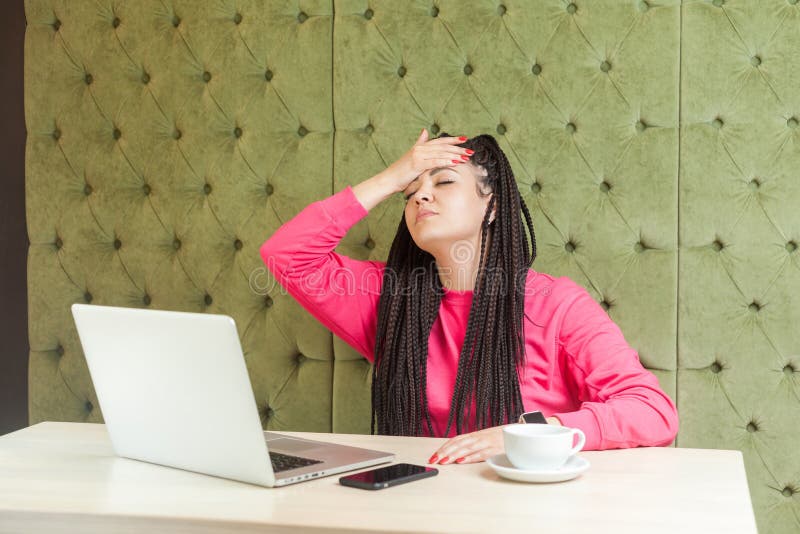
424 214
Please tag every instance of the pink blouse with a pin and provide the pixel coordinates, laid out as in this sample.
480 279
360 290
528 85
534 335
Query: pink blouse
579 369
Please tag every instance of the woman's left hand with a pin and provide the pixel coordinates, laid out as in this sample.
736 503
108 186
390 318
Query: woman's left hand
475 446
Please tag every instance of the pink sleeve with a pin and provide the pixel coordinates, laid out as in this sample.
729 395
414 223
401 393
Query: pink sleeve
340 292
623 404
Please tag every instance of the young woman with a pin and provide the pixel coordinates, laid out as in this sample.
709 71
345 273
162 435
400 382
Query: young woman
463 335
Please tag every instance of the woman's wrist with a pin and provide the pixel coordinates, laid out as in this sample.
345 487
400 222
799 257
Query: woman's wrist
375 190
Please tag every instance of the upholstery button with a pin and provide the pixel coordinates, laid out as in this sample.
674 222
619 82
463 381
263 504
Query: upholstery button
752 427
300 358
791 246
117 133
754 184
268 412
88 79
644 6
268 301
501 129
787 491
717 245
237 18
60 350
717 123
755 61
715 367
56 134
788 370
176 134
605 187
268 189
115 22
369 243
145 78
146 299
208 300
434 11
569 247
369 128
435 129
605 66
719 3
302 17
237 244
639 247
401 71
56 24
58 243
501 10
268 75
641 126
87 190
536 187
302 131
206 76
207 189
571 9
604 304
89 406
87 297
754 307
536 69
467 69
368 14
146 189
237 132
176 20
571 129
792 123
117 244
176 244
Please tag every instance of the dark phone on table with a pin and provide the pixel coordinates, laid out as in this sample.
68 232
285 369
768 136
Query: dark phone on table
391 475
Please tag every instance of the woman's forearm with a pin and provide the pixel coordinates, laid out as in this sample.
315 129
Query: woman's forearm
375 190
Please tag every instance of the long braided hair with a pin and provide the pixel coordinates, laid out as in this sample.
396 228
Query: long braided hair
494 341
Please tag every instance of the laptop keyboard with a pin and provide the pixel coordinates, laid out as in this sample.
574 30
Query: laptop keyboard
284 462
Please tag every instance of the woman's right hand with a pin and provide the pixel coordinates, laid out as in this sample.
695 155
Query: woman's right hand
423 155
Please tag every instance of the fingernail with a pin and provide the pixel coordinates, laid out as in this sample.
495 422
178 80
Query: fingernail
444 460
464 157
462 138
470 152
433 459
459 460
456 161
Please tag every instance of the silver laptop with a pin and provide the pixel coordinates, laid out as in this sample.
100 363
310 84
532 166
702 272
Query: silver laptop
174 390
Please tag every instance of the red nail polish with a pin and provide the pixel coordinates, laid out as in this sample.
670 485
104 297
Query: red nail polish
459 460
462 138
433 459
443 460
470 152
456 161
464 157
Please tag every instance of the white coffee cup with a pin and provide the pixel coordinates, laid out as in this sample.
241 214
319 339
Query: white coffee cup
539 446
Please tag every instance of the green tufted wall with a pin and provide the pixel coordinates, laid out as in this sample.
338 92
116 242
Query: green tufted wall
655 142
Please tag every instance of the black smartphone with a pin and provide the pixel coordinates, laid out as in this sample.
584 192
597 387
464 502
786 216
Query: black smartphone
391 475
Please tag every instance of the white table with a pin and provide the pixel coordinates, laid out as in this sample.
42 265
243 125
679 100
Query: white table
64 477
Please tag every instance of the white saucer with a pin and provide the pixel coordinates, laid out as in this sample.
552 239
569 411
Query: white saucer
503 467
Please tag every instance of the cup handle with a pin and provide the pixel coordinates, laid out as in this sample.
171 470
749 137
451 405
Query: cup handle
581 441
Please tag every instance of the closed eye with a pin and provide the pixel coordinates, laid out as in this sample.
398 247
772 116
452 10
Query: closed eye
408 196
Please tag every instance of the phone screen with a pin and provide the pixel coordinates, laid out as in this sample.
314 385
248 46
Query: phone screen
389 473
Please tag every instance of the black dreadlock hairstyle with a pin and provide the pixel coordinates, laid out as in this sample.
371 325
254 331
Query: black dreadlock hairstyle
493 345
